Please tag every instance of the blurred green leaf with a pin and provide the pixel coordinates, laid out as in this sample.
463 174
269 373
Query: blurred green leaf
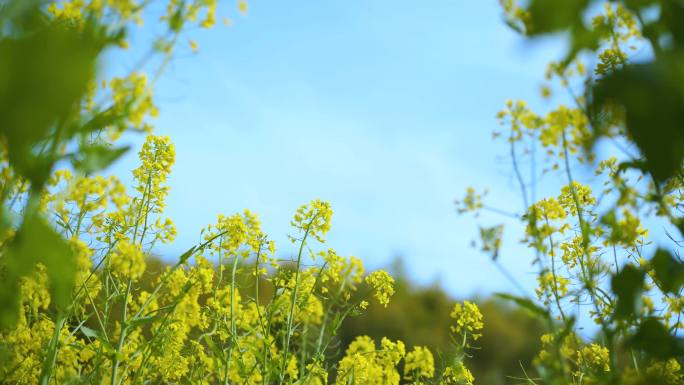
186 255
636 164
99 336
88 332
11 9
652 98
215 349
654 338
97 157
143 321
102 119
35 242
672 21
525 303
555 15
43 76
669 271
627 286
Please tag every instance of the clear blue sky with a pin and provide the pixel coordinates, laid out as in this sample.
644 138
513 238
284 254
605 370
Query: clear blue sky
384 108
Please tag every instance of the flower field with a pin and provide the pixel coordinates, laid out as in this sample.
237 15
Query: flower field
84 299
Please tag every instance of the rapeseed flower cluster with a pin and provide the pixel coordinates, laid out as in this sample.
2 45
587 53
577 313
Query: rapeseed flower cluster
551 286
594 357
457 375
365 363
132 98
419 364
472 202
313 219
469 320
127 261
382 284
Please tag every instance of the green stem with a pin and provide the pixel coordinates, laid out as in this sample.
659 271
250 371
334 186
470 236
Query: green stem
290 316
122 337
586 275
51 358
233 326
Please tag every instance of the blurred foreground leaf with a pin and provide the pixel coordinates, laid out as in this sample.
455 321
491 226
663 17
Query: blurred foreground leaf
97 157
657 341
526 304
652 98
43 76
627 286
669 272
35 242
551 16
555 15
45 70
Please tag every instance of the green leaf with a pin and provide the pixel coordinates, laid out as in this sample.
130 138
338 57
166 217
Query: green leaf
12 9
555 15
215 349
672 21
654 338
88 332
628 285
36 242
526 304
185 256
143 321
635 164
101 120
669 272
651 96
97 157
580 38
98 335
43 77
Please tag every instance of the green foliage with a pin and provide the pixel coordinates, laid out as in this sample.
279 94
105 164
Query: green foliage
96 157
43 78
656 340
48 86
527 304
668 271
592 252
628 284
652 99
44 74
650 94
36 242
551 16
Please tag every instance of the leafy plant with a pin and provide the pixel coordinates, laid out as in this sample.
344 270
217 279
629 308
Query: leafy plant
592 251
